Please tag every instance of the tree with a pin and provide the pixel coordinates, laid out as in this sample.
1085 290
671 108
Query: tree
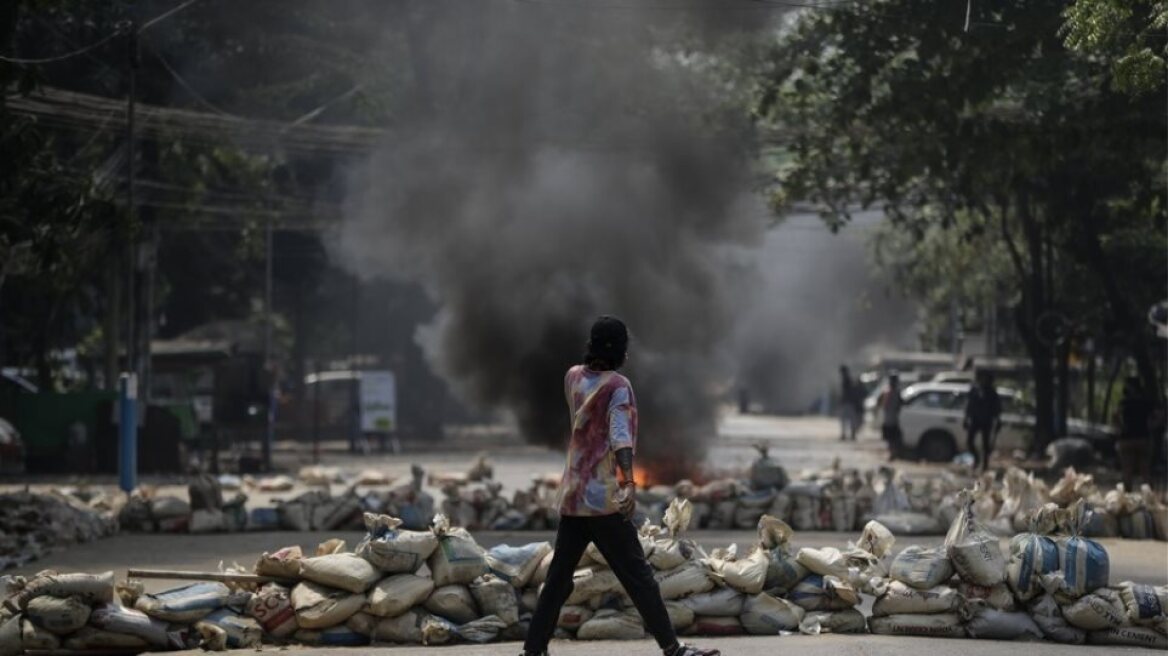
1127 34
997 130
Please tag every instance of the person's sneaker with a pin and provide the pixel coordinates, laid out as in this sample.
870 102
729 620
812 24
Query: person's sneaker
683 649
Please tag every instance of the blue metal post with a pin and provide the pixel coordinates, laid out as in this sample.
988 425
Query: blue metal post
128 432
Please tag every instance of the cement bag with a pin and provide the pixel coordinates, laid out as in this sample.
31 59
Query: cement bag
1101 610
394 550
496 597
746 575
921 568
612 625
783 571
843 512
88 637
942 625
283 564
572 617
900 599
318 607
437 631
876 539
998 597
823 593
457 559
271 606
1138 525
840 621
540 574
990 624
588 583
719 601
1048 616
679 582
403 629
454 602
337 636
396 594
975 554
481 630
1084 563
1032 557
679 616
116 619
1133 636
57 615
1144 604
674 551
242 632
11 640
89 588
715 626
34 637
343 570
763 614
363 623
330 547
516 565
184 605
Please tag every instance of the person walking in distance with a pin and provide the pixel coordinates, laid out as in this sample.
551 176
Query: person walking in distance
983 416
597 494
851 410
890 403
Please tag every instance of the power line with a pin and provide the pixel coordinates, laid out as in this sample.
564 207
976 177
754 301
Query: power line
118 31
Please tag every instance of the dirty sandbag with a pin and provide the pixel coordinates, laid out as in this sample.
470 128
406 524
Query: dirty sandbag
330 547
1134 636
892 498
763 614
992 624
848 620
205 493
910 523
1158 509
783 571
117 619
830 561
1019 499
319 607
89 588
900 599
746 575
976 555
337 636
497 597
34 638
540 574
392 549
282 564
1083 562
185 604
998 596
719 601
817 592
454 602
11 641
572 617
715 626
129 590
1033 556
403 629
588 583
340 570
1045 612
679 616
396 594
58 615
1144 604
921 568
843 511
876 539
612 625
363 623
482 630
691 578
241 632
516 565
458 558
766 473
941 625
88 637
437 630
271 606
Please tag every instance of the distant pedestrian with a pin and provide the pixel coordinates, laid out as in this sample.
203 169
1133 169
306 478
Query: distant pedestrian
890 404
983 416
851 406
1136 416
596 503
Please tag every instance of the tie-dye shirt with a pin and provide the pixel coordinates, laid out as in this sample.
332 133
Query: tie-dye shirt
604 419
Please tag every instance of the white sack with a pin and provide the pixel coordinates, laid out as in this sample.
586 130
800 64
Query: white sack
116 619
283 564
763 614
454 602
900 599
271 606
58 615
394 550
341 570
186 604
89 588
921 568
720 601
1101 610
497 597
398 593
945 625
1048 616
992 624
516 565
458 558
690 578
823 593
612 625
976 555
318 607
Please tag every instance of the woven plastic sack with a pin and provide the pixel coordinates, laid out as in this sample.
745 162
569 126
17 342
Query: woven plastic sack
271 606
943 625
900 599
283 564
516 565
396 594
186 604
241 632
1045 612
817 592
495 596
458 558
89 638
690 578
337 636
763 614
481 630
612 625
680 616
1101 610
840 621
114 618
975 554
1132 636
403 629
998 596
719 601
991 624
58 615
1084 563
340 570
33 637
921 568
1144 604
392 549
318 607
673 551
587 583
89 588
454 602
783 571
746 575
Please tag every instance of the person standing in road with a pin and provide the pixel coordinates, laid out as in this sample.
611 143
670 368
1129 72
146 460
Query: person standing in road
983 416
851 405
597 494
890 404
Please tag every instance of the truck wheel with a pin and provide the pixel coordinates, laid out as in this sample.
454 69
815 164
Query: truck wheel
937 446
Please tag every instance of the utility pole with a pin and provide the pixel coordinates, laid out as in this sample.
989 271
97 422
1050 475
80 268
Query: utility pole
269 361
132 63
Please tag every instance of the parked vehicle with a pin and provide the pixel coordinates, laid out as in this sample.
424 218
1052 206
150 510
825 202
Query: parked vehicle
931 422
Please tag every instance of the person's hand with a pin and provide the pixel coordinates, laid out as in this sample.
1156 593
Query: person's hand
626 498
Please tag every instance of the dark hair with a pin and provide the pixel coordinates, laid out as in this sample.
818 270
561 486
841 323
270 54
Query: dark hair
608 343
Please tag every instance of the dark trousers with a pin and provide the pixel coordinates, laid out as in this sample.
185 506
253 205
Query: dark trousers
616 538
987 439
891 435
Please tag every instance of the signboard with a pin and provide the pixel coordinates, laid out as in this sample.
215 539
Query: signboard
378 401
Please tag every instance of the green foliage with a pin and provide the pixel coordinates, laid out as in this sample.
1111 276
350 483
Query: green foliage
1128 34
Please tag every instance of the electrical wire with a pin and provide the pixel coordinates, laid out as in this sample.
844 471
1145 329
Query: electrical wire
118 31
198 97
